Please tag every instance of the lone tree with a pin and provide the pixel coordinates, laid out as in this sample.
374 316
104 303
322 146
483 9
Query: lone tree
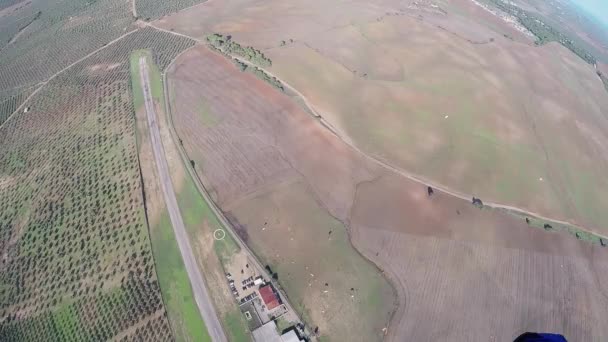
547 226
430 191
477 202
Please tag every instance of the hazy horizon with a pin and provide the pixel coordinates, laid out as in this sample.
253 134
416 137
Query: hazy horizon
597 8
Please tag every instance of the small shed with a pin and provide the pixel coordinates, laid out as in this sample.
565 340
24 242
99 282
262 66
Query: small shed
258 281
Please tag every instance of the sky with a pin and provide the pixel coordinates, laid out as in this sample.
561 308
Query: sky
598 8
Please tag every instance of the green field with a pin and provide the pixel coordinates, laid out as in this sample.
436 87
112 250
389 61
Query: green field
175 285
156 82
328 282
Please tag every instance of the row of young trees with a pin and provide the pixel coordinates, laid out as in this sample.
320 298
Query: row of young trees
77 262
226 44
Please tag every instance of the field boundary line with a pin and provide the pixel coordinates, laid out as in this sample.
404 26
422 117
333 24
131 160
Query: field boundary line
205 194
45 82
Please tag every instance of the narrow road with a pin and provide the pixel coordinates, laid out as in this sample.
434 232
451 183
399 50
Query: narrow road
134 9
201 295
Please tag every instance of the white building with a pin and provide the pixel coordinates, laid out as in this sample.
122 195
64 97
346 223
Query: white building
268 333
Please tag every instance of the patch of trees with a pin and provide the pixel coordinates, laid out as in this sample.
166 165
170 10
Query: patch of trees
477 202
261 74
544 32
604 79
274 275
226 44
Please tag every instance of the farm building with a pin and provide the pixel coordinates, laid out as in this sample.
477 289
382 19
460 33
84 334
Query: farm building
270 298
269 333
258 281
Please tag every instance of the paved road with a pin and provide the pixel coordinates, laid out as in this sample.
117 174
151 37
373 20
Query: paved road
201 295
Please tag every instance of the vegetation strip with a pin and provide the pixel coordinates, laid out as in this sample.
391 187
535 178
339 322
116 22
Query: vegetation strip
174 283
544 32
246 58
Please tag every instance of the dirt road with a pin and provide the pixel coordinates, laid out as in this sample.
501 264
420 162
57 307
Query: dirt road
40 85
201 295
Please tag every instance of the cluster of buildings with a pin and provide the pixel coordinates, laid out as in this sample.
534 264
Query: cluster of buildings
262 306
269 333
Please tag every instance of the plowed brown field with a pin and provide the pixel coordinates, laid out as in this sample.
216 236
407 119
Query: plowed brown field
461 273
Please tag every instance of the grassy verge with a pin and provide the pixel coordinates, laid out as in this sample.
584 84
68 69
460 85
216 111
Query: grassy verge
175 286
155 79
198 215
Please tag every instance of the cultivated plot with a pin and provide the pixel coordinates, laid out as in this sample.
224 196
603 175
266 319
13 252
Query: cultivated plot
76 262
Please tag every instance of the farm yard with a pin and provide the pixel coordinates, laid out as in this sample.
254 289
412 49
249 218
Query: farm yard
299 209
444 96
76 258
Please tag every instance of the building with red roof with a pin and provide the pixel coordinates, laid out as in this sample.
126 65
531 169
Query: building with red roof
269 297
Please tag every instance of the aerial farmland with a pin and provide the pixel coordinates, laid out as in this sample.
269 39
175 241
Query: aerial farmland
263 170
